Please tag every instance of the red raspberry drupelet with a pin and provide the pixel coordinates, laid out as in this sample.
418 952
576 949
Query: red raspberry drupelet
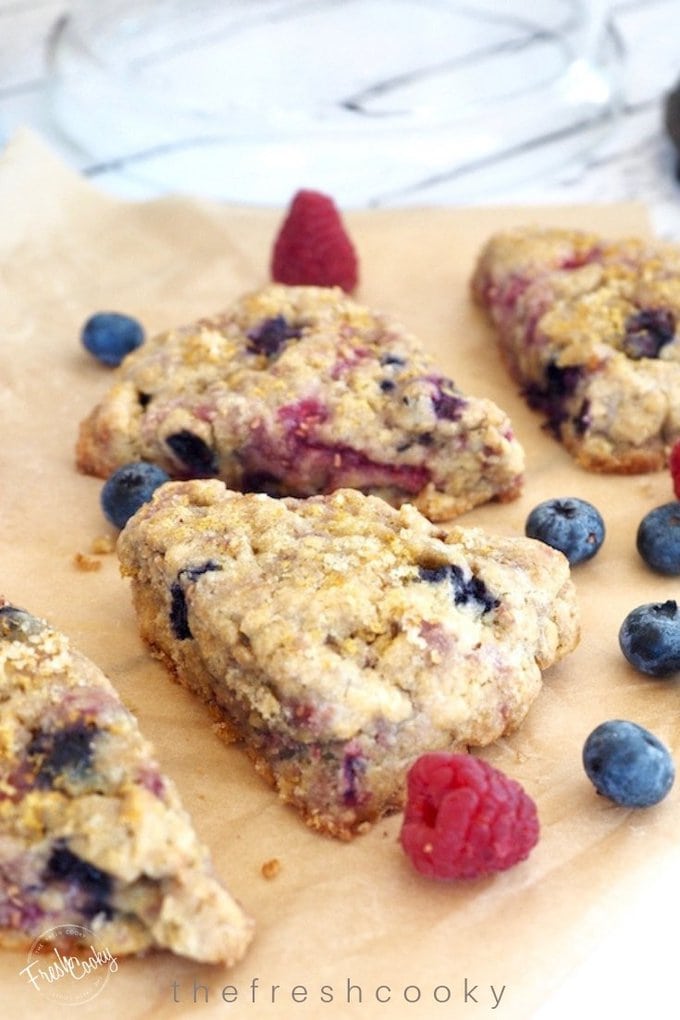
464 818
312 247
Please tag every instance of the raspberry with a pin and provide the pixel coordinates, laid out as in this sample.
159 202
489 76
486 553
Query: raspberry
674 464
313 247
464 818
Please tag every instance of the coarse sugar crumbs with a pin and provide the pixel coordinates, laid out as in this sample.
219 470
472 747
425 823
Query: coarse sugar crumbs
207 345
56 654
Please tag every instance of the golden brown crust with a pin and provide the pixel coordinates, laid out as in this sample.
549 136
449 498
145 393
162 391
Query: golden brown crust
340 637
300 390
91 832
590 330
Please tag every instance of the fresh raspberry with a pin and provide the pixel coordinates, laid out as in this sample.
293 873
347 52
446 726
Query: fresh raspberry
674 463
313 247
464 818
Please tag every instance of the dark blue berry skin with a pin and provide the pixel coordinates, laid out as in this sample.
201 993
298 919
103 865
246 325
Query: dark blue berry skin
647 331
571 525
179 611
194 453
68 750
93 885
128 488
650 638
658 538
550 398
272 335
628 764
464 592
109 336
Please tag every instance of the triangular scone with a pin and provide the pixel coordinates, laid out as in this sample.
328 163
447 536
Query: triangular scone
341 637
297 391
91 832
591 331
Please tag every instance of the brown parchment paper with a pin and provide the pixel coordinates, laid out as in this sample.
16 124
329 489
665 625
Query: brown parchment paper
342 926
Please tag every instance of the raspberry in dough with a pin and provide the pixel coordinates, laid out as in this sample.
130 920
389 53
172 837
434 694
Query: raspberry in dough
589 328
92 833
298 391
340 637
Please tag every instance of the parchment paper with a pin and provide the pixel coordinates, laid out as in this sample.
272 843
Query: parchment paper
342 926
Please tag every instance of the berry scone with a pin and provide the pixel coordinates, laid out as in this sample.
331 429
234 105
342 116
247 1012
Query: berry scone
91 831
589 329
299 391
339 637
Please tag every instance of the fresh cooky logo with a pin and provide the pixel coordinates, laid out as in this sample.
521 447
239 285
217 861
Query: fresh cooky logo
65 978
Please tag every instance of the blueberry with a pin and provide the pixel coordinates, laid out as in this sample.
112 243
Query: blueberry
448 406
353 768
649 638
179 611
128 488
628 764
194 453
464 591
93 885
658 538
551 397
18 625
271 335
571 525
647 331
65 750
110 336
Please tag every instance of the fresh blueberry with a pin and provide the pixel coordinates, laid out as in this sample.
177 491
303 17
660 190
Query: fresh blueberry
110 336
571 525
628 764
650 638
128 488
658 538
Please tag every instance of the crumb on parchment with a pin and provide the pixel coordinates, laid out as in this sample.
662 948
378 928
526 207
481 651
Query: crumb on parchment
271 868
102 545
86 563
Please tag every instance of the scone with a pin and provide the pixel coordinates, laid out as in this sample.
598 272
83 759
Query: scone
339 637
589 329
298 391
92 834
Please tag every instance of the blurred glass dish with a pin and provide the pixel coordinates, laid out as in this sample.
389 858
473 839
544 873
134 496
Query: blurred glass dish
369 100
